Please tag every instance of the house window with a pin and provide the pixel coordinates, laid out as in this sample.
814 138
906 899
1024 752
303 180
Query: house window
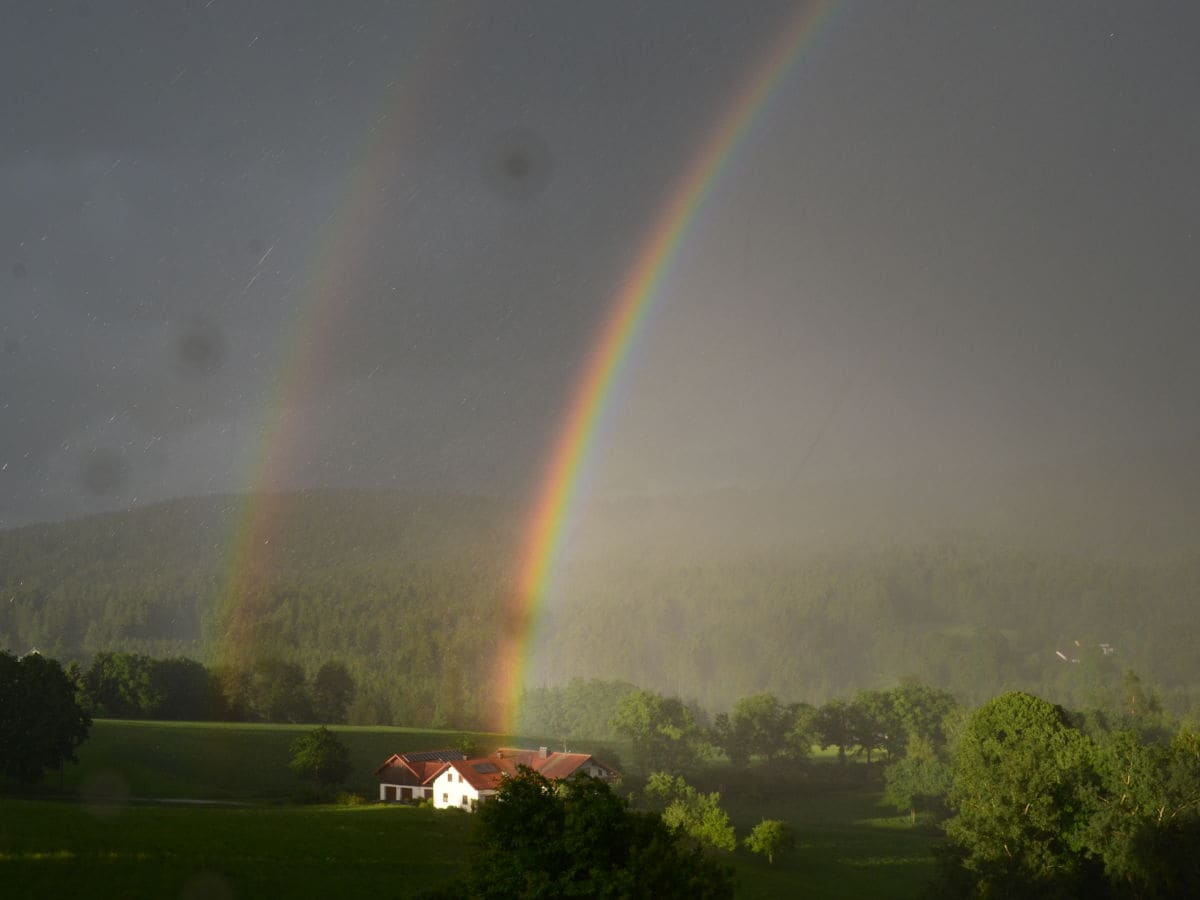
445 798
464 801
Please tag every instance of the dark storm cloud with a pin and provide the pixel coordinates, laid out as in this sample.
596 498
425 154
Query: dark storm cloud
955 233
176 181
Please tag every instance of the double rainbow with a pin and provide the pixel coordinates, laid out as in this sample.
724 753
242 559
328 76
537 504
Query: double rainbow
332 282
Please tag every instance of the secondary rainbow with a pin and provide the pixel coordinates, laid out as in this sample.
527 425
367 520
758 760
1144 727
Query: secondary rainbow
333 280
635 297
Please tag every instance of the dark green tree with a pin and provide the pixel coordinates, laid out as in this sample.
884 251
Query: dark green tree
924 712
662 730
332 693
802 730
1146 814
320 757
233 685
757 725
836 725
920 782
41 722
122 685
543 839
1022 778
278 692
876 723
186 689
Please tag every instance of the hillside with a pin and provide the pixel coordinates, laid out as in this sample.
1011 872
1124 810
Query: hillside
711 597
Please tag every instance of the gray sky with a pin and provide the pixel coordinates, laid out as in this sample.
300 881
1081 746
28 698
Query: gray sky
960 235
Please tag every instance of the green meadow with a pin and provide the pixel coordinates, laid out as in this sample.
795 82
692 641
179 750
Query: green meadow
228 761
99 837
55 849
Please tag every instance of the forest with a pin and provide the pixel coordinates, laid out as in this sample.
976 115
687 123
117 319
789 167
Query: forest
399 589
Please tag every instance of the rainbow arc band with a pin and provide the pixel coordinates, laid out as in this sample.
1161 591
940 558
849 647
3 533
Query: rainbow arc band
592 395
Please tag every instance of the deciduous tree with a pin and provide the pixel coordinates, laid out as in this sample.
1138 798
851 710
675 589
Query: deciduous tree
918 782
757 726
41 723
1022 774
663 732
835 724
697 815
770 838
542 839
319 756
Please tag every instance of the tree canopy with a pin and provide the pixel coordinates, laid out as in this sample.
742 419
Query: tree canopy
41 722
770 838
697 815
319 756
663 731
543 839
1043 809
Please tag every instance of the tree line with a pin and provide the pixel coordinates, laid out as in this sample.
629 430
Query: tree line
1033 800
665 733
402 590
136 686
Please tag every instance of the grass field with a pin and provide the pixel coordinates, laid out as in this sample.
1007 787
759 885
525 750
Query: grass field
848 847
99 840
54 849
229 761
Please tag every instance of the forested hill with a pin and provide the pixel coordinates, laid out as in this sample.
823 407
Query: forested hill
403 588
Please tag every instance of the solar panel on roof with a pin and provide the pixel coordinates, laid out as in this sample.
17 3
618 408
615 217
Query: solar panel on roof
434 756
485 768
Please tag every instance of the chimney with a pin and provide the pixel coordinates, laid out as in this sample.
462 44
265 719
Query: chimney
544 752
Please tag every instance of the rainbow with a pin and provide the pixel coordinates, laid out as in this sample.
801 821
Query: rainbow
630 306
332 283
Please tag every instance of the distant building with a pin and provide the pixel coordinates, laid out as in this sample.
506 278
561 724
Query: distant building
409 776
450 779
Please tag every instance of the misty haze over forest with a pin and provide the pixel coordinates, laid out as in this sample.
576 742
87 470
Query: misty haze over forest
940 295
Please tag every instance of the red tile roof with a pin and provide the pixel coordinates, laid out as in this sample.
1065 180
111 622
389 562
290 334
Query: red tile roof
484 773
418 768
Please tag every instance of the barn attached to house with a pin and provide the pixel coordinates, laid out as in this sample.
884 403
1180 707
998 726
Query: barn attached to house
409 776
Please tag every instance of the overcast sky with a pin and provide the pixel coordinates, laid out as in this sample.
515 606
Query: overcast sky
960 234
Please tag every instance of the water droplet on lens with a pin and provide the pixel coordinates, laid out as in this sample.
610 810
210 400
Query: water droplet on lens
518 166
103 472
200 347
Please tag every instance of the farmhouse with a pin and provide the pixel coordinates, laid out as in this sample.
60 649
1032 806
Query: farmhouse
409 776
449 779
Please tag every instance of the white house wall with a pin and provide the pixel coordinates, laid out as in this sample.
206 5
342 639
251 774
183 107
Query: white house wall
449 794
